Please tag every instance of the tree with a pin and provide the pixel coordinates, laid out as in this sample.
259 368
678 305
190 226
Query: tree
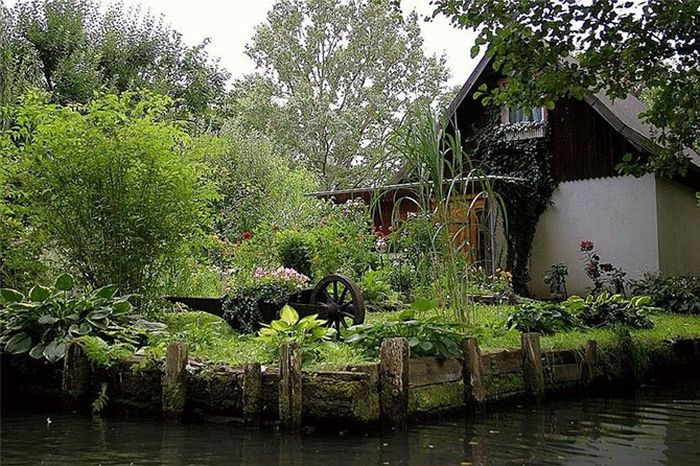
115 184
562 48
72 49
256 185
343 74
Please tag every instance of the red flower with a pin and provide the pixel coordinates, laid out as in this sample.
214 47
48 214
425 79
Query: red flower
247 235
586 245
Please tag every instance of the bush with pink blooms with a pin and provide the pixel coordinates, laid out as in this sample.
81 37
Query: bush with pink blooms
245 305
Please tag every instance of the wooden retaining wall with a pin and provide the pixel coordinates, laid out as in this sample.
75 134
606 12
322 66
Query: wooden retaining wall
388 393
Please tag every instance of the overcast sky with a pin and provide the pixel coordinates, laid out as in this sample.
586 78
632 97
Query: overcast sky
230 25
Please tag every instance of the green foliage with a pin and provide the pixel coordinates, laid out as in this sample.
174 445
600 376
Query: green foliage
427 336
375 287
121 192
670 293
308 332
42 322
483 283
343 240
340 76
606 310
603 310
72 48
339 240
555 277
295 250
544 318
208 338
447 186
100 403
619 48
257 186
524 201
102 354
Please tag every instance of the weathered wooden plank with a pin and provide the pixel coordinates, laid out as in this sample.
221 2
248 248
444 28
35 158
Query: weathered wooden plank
393 381
503 362
252 393
427 371
562 357
76 375
174 392
590 367
437 397
533 373
290 397
472 371
564 373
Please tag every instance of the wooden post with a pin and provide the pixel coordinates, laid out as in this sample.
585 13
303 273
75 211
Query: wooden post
591 362
175 380
532 364
76 375
393 382
472 372
290 400
252 393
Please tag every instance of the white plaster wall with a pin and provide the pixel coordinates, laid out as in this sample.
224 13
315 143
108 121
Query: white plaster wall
619 214
678 228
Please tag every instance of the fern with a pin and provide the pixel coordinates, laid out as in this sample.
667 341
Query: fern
101 401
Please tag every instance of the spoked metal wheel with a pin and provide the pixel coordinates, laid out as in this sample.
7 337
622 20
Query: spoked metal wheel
343 300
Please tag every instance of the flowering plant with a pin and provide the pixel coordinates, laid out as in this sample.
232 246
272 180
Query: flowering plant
272 288
604 276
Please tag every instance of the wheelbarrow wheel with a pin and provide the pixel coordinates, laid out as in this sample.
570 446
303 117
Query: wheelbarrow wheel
343 300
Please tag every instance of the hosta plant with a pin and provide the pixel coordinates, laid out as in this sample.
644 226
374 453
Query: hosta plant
606 310
544 318
308 332
427 336
43 321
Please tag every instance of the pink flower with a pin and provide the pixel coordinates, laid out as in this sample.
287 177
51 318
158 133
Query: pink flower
247 235
586 245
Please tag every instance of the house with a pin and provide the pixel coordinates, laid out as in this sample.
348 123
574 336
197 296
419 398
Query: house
639 224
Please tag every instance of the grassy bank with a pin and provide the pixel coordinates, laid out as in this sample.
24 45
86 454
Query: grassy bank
210 339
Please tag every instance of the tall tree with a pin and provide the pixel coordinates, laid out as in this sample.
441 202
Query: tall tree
650 47
342 74
71 48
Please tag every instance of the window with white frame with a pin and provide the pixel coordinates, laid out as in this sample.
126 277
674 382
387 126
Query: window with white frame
511 114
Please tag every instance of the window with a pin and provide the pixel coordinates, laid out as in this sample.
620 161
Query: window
518 115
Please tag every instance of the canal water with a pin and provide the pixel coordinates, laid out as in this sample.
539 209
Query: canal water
650 426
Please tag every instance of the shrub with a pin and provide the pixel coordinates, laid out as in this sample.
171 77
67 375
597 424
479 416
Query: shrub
295 251
544 318
43 321
402 278
605 276
375 287
480 282
556 279
308 332
673 294
427 336
116 185
606 310
243 308
343 241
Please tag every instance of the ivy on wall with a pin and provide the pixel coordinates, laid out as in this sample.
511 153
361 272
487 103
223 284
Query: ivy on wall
497 152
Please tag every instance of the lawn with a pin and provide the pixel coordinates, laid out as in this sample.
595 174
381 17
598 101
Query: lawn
209 338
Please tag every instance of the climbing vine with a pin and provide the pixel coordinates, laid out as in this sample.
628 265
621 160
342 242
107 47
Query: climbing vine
499 153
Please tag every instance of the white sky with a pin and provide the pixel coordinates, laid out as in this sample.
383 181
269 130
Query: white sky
230 25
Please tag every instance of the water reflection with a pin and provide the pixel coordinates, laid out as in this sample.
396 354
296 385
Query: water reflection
653 427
